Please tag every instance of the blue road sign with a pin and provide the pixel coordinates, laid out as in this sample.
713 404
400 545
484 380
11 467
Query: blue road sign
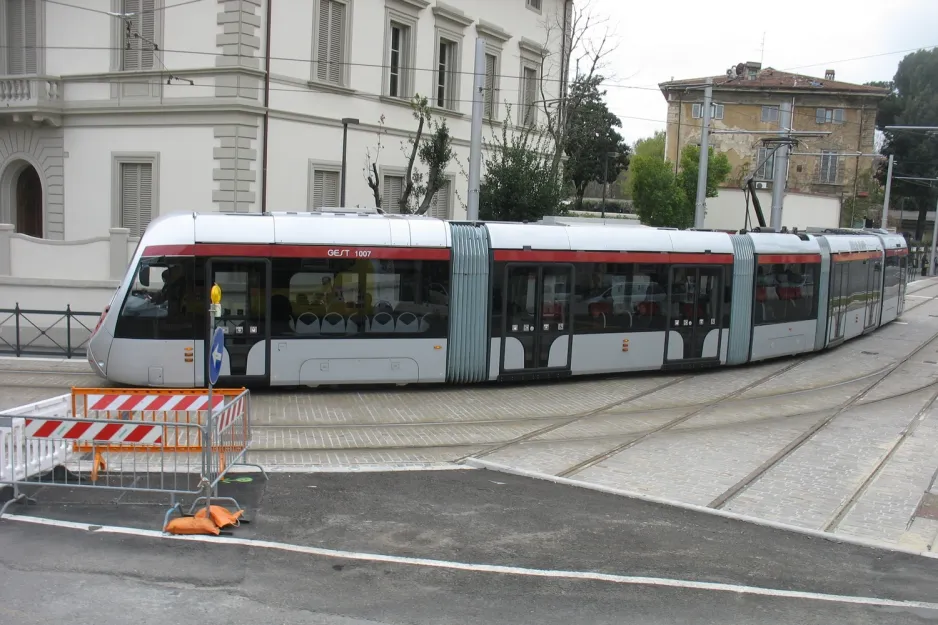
215 356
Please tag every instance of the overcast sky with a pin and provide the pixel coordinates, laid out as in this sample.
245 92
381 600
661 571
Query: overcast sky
661 39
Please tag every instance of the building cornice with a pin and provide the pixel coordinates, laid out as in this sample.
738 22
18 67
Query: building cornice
532 47
446 12
491 31
224 70
415 4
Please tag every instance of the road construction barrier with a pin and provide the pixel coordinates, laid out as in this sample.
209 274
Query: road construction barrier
131 440
18 462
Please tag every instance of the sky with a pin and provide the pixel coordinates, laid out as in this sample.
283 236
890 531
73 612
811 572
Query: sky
658 40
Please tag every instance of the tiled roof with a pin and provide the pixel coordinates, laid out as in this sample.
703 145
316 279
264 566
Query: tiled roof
773 79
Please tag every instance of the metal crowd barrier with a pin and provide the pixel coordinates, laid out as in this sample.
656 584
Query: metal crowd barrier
132 440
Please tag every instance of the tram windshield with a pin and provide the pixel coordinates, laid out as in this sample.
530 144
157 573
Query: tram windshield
161 302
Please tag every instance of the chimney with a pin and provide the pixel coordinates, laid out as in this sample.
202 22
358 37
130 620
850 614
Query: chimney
752 69
828 74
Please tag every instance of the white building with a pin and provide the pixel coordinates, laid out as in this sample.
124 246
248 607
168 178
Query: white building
237 105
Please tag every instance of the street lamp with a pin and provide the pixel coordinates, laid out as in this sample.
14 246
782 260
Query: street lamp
345 124
606 177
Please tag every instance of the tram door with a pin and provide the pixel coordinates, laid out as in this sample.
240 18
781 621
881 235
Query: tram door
537 330
246 316
695 299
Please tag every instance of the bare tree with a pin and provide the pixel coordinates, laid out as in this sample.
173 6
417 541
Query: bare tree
371 164
587 43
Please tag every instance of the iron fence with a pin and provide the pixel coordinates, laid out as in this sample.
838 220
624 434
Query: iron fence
33 332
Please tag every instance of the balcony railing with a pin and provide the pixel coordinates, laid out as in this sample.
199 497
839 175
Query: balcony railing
25 92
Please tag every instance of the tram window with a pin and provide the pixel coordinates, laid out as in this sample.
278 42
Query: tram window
786 293
163 302
892 273
627 297
367 298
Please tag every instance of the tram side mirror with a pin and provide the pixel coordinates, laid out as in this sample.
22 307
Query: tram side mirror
144 275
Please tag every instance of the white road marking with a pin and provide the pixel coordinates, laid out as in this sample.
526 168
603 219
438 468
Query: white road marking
485 568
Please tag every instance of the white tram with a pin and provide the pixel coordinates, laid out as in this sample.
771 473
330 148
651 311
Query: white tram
350 298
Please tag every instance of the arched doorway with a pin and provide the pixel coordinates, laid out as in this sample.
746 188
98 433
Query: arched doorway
28 194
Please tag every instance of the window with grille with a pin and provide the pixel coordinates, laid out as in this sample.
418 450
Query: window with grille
138 34
829 116
529 95
331 41
21 36
440 205
491 63
767 170
829 166
325 189
393 190
716 111
446 76
136 197
398 55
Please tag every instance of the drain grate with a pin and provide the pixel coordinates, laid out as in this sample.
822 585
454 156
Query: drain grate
928 507
930 362
870 353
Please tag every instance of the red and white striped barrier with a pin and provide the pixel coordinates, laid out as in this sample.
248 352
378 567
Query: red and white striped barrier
137 402
114 432
20 458
227 416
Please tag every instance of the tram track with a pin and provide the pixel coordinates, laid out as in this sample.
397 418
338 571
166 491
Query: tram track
749 480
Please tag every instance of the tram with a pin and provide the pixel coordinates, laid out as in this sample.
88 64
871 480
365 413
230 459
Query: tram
353 296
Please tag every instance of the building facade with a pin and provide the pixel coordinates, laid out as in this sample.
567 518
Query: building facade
113 112
833 165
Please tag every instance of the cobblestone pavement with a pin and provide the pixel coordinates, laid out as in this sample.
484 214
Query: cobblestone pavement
841 441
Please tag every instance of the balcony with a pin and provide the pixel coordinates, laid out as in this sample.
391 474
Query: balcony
31 99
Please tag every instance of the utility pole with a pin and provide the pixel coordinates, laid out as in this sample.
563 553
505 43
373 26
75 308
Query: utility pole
934 243
700 209
885 223
475 134
780 175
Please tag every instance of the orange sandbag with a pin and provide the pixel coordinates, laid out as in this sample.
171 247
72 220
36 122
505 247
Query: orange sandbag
191 525
221 516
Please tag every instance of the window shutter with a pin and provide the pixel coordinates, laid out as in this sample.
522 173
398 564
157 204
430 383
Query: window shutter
820 116
14 34
331 45
29 37
323 44
336 42
136 197
130 198
439 207
393 190
130 50
838 116
148 32
489 86
530 92
317 189
146 195
325 189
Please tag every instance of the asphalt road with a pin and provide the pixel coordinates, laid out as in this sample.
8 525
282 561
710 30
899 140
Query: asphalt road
52 574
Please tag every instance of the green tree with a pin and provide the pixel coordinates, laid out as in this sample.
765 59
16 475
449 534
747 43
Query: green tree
659 200
519 182
913 101
663 199
718 169
649 146
595 150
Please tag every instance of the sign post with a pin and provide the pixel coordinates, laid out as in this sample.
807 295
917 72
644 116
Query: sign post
215 356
